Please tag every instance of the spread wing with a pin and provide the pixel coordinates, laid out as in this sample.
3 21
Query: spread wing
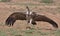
15 16
45 19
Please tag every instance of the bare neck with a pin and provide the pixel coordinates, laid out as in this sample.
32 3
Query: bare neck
28 10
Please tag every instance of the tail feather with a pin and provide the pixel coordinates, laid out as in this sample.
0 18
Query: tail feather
33 22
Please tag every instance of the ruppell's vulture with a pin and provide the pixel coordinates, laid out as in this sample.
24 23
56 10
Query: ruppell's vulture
31 17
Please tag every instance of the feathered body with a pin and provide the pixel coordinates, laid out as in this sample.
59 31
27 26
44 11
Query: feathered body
22 16
31 18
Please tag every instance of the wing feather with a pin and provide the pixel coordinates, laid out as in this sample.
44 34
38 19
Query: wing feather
15 16
45 19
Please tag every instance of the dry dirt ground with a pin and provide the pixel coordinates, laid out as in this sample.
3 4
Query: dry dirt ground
50 11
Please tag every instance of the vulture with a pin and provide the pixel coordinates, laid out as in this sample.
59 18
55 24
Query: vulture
30 17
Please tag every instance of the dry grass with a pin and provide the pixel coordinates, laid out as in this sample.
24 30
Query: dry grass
19 29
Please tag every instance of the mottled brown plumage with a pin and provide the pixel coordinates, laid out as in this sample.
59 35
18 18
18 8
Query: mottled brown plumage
31 17
22 16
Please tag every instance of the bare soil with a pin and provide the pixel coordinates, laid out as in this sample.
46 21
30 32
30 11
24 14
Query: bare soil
50 11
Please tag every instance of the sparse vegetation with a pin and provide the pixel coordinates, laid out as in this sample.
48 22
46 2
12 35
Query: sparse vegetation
57 33
16 29
47 1
5 0
2 33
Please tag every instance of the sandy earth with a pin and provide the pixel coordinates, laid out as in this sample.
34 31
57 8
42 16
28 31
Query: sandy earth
6 10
